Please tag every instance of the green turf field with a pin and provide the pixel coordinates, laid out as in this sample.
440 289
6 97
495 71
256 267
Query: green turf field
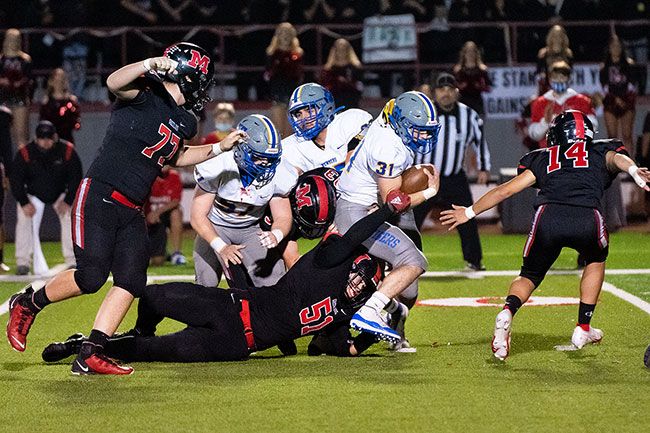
451 384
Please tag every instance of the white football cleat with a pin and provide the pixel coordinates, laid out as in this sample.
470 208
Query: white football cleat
501 338
369 320
581 338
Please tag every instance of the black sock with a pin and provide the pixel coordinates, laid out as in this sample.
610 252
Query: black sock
513 303
95 343
40 299
585 312
2 255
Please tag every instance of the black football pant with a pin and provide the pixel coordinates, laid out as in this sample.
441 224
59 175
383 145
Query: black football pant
214 333
556 226
455 190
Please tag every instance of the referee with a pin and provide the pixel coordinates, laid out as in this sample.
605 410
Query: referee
460 127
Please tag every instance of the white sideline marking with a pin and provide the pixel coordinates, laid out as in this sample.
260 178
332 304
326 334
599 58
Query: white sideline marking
619 293
36 284
489 301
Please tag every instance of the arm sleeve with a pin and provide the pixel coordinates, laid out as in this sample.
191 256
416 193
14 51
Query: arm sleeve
17 180
75 174
335 250
480 143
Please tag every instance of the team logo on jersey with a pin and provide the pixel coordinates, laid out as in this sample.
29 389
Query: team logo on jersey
302 199
199 61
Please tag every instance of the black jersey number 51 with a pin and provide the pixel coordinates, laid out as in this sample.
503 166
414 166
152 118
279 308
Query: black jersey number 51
167 136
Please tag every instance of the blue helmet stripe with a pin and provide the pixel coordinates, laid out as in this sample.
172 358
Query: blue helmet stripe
272 130
427 101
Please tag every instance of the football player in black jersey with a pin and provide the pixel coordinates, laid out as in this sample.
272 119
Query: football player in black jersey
154 113
571 174
322 290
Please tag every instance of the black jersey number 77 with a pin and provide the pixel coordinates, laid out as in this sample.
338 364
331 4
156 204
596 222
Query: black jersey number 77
167 136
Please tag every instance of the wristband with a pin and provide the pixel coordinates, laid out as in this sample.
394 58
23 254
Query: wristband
469 212
278 235
216 149
429 192
633 171
147 64
218 244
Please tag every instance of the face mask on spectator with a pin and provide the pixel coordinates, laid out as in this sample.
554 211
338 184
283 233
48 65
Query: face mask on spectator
223 126
559 86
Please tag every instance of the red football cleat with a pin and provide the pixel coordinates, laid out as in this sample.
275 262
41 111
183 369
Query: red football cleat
20 320
98 363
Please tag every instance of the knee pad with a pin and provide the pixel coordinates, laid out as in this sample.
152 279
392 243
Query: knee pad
90 281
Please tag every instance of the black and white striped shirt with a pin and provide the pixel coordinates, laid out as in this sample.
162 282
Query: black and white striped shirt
460 128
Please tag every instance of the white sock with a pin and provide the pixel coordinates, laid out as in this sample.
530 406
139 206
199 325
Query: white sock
378 301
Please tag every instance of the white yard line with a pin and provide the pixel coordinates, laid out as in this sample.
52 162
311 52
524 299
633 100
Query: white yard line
619 293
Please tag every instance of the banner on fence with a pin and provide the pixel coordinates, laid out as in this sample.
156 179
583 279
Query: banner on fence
512 88
390 38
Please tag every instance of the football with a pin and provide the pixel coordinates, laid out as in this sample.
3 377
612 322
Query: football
414 179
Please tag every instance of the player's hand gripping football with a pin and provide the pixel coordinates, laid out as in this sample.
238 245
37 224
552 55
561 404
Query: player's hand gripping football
232 254
455 217
231 140
160 65
433 179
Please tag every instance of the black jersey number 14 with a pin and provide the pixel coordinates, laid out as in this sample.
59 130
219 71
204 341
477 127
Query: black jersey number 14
577 153
167 136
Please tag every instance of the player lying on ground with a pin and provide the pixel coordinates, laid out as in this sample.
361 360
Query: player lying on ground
572 175
325 287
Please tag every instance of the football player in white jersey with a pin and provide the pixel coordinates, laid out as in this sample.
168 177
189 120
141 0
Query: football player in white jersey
323 134
233 191
408 124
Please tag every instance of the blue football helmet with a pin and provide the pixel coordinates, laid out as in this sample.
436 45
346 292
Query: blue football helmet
259 154
413 117
320 103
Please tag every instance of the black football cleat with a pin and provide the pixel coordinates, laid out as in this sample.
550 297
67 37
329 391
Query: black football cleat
55 352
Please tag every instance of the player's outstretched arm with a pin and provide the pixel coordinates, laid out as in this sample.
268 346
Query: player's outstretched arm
332 253
460 214
618 161
192 155
120 82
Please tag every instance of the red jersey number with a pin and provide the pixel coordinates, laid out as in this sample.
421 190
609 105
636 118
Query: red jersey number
577 153
319 313
167 136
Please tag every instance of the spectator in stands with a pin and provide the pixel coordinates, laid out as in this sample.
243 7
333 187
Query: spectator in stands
283 73
342 74
472 77
312 11
48 170
163 212
16 84
224 119
556 49
60 106
558 99
6 149
617 79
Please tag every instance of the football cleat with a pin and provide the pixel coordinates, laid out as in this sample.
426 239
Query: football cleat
369 320
397 322
501 338
98 363
55 352
646 357
581 338
20 321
